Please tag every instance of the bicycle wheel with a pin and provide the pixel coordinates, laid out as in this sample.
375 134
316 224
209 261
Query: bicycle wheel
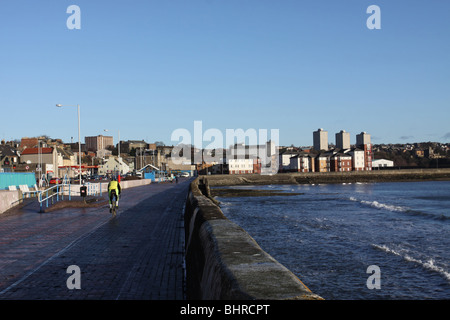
114 208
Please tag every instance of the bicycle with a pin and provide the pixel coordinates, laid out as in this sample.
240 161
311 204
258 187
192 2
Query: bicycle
113 203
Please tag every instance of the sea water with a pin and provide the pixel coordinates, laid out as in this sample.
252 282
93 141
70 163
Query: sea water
330 234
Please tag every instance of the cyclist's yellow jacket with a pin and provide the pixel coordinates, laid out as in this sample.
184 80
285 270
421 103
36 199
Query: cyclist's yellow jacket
114 185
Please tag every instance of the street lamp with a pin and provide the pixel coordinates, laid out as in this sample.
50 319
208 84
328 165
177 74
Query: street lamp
118 144
79 136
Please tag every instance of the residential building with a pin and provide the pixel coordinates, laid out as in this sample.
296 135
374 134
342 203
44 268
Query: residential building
284 160
341 162
302 162
67 162
28 143
343 140
418 152
103 153
320 139
322 162
358 162
267 154
9 157
243 166
363 142
47 157
114 165
362 138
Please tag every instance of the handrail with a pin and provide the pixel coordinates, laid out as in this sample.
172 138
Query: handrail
49 193
59 191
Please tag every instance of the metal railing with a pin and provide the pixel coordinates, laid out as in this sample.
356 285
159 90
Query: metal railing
49 194
64 189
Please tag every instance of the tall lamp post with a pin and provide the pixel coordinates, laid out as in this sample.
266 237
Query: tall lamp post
79 136
118 149
118 144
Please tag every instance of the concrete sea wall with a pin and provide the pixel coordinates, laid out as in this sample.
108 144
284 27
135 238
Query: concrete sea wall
331 177
224 262
8 199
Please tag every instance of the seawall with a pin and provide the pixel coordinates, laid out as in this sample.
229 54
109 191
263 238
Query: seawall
9 199
331 177
223 262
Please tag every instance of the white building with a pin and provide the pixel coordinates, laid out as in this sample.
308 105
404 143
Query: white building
382 163
238 166
358 160
114 165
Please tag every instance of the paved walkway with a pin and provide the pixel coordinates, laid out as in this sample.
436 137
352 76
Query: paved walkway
137 255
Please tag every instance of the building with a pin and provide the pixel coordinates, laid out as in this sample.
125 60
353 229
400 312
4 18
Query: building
284 160
9 157
341 162
181 165
46 158
320 139
363 142
358 161
362 138
103 153
67 162
98 143
115 166
322 162
128 146
28 143
244 166
302 162
267 155
74 147
382 163
343 140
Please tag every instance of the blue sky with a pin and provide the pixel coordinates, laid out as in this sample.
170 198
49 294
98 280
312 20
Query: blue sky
147 68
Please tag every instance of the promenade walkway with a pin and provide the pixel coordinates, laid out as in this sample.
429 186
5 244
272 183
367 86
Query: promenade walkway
135 256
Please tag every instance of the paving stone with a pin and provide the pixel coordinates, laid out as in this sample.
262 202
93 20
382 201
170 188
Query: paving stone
137 255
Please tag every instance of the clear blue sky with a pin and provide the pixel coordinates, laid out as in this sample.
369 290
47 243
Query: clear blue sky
149 67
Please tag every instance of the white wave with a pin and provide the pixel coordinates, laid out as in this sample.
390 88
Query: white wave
429 265
379 205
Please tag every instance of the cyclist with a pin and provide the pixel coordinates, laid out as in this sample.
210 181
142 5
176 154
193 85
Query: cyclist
114 191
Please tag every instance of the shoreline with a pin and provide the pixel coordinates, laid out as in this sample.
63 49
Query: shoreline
406 175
